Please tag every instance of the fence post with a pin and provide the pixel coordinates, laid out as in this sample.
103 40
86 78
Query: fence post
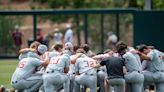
34 26
102 32
78 30
117 26
86 28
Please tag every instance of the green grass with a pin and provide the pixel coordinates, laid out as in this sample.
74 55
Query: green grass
7 68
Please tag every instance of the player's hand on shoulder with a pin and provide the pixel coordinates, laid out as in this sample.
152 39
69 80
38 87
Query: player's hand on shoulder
24 50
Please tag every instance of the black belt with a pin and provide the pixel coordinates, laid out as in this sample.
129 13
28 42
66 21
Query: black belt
88 74
139 71
157 71
160 71
101 70
50 71
13 82
135 71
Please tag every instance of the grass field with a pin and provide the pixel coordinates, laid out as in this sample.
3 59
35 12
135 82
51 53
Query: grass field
7 68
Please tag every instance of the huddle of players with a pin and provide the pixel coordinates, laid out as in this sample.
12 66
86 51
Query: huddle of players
76 68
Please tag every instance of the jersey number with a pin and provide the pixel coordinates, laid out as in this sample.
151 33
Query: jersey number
89 64
54 61
22 64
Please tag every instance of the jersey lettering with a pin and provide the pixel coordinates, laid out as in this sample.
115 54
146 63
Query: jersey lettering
89 64
54 61
22 64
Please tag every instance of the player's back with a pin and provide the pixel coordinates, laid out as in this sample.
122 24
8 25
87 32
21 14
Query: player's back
84 64
156 62
72 66
53 53
58 63
131 62
26 67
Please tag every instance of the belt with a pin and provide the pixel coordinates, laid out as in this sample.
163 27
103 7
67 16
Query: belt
89 74
139 71
53 71
157 71
135 71
13 82
101 70
73 73
160 71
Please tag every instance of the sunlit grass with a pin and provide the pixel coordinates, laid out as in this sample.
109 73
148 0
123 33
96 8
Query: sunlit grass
7 68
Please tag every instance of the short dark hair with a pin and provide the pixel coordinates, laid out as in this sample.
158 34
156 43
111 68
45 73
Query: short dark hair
142 47
86 47
58 46
121 46
75 48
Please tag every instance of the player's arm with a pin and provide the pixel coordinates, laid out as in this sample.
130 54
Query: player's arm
143 56
66 69
46 56
77 68
96 57
67 63
73 60
96 65
45 63
38 62
26 50
124 70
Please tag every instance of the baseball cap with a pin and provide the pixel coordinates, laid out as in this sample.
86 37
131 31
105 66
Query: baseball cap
42 48
68 45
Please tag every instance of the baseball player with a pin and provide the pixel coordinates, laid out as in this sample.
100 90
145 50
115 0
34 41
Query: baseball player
87 50
86 75
71 72
24 52
55 74
115 73
102 73
133 77
56 50
155 73
25 76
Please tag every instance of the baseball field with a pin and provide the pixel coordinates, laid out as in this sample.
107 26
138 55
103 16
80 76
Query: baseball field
7 68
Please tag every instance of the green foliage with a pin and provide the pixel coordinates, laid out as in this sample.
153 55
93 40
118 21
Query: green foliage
58 3
158 4
41 1
7 24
